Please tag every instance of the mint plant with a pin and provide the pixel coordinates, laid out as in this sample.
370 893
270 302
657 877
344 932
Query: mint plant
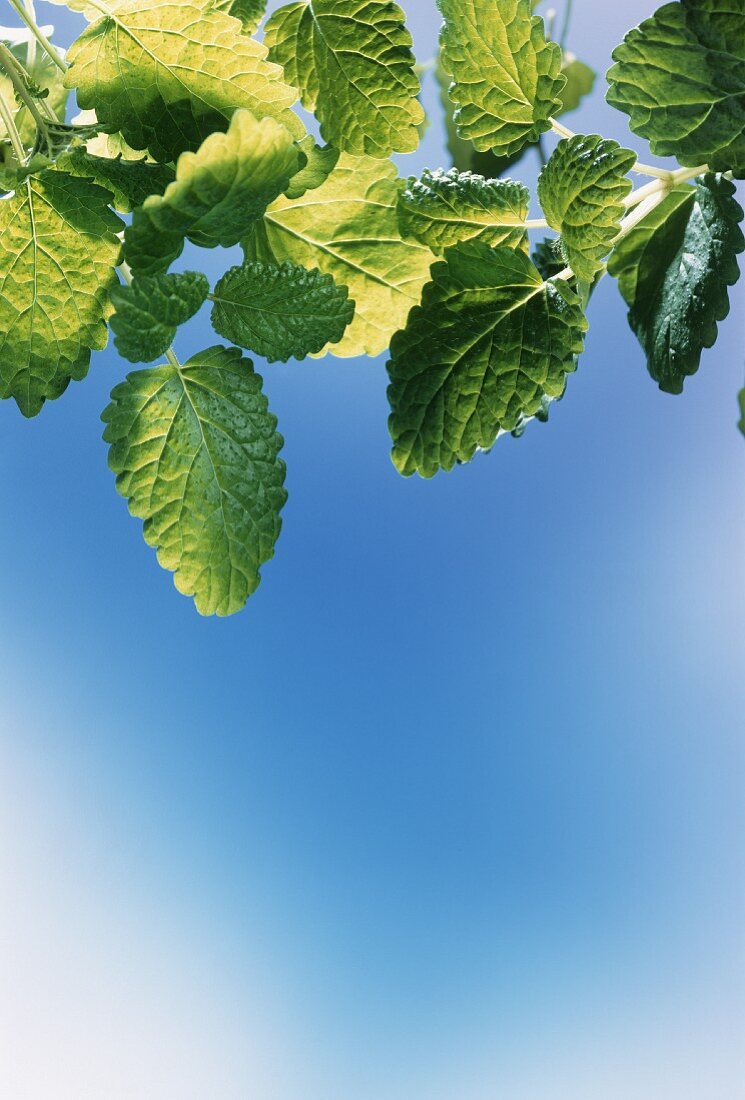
186 131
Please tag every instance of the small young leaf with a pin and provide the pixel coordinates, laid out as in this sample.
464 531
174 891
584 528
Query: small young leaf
490 341
129 182
320 163
166 74
196 454
741 403
149 312
581 190
280 312
443 208
58 251
348 228
250 12
507 79
580 83
548 257
674 270
218 192
352 63
680 77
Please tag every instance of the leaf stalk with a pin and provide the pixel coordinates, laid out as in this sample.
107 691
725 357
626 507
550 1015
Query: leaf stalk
24 14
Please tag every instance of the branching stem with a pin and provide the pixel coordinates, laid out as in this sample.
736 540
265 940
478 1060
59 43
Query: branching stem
24 14
18 78
9 123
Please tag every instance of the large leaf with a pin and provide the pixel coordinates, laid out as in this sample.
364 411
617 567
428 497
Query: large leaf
150 310
464 154
195 450
250 12
490 342
280 311
348 228
581 190
674 270
129 182
58 251
507 79
218 191
352 63
680 76
442 208
166 74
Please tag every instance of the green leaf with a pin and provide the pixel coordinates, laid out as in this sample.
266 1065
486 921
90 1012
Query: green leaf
741 402
149 312
195 450
680 77
129 182
443 208
320 163
581 190
580 83
58 251
166 74
250 12
280 312
548 257
348 228
352 63
218 192
489 343
507 79
674 270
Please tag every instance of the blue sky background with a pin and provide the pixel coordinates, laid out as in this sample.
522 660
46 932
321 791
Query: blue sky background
452 811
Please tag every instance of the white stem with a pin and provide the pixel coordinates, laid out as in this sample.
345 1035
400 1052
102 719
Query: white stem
40 37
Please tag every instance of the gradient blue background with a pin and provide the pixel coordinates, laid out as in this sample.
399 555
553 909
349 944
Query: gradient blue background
452 811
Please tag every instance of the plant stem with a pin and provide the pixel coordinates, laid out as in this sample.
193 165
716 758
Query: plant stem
567 24
18 76
40 37
560 129
31 47
536 223
8 121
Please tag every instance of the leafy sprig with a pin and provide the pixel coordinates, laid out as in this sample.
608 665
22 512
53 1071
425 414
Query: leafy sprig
189 128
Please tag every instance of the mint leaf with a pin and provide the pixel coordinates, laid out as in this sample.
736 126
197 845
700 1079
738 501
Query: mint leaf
680 77
166 75
218 191
548 257
507 79
348 228
489 343
129 182
581 190
280 312
150 310
467 158
250 12
196 454
442 208
353 65
674 270
58 251
320 163
741 403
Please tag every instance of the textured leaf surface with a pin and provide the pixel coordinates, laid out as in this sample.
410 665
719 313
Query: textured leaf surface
218 191
348 228
352 63
166 73
674 270
443 208
150 310
507 79
464 154
195 452
489 343
280 311
250 12
129 182
581 190
680 77
58 251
